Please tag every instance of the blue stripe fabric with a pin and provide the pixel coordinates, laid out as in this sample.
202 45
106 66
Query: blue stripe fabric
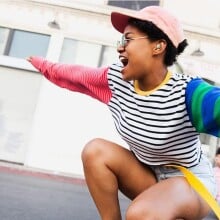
208 106
191 87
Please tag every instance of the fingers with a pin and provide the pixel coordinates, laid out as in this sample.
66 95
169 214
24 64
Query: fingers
29 59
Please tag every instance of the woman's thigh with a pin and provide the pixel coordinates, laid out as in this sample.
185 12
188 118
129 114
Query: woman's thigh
169 199
133 176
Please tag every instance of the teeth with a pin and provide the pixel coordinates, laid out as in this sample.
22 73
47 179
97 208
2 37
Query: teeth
121 59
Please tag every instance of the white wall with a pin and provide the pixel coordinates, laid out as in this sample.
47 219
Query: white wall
63 121
196 13
18 97
201 22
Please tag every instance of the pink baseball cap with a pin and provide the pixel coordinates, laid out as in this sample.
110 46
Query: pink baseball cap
160 17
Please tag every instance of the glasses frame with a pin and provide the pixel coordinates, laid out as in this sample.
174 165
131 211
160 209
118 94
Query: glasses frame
124 41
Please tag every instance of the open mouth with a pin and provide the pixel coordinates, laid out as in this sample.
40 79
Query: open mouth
123 60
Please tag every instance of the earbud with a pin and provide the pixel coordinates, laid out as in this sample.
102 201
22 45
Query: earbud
158 47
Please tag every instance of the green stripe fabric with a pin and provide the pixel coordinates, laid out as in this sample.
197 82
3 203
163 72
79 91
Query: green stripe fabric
197 100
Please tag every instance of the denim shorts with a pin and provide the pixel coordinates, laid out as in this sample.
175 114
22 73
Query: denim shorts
203 171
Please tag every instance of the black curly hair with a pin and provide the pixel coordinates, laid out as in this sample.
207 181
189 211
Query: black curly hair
154 33
218 151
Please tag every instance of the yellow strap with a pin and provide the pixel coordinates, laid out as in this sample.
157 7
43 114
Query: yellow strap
200 189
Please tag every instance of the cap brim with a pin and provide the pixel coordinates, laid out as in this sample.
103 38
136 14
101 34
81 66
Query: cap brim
119 21
162 19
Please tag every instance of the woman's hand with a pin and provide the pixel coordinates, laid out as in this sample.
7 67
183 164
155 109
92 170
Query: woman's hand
29 59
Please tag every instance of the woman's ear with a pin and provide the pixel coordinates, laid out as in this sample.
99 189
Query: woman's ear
159 47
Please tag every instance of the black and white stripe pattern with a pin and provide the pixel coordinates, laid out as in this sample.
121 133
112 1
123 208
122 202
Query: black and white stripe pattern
156 127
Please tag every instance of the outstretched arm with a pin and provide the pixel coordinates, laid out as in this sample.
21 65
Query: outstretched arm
203 105
90 81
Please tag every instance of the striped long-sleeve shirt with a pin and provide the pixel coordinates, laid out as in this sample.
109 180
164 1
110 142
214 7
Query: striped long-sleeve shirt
161 126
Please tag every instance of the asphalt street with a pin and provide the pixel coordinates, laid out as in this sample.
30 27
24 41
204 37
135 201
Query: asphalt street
29 196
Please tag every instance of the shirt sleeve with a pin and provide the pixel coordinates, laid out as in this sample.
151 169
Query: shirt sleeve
78 78
203 106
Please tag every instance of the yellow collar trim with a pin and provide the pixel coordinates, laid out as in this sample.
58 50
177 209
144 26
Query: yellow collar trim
144 93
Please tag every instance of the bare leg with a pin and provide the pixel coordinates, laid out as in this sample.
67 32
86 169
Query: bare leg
169 199
108 168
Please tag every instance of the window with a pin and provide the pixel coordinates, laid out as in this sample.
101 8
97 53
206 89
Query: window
108 56
80 52
68 52
21 44
135 5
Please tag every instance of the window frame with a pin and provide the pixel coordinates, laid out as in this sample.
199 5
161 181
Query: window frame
8 44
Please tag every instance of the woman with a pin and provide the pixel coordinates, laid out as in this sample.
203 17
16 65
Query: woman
158 113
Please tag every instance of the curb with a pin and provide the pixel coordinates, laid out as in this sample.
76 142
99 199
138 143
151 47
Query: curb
26 171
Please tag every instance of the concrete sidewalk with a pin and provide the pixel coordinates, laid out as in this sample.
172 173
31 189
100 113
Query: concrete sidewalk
30 171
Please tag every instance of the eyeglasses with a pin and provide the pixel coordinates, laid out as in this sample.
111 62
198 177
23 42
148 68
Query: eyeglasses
124 41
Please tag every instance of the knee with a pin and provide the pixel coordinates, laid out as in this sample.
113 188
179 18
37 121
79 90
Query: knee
142 211
92 150
134 212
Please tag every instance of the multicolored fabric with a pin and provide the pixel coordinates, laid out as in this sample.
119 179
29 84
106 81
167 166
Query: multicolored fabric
162 127
87 80
203 105
156 127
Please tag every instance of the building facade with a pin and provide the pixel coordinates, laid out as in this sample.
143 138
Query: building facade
46 127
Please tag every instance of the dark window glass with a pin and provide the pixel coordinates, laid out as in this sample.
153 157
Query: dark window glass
135 5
